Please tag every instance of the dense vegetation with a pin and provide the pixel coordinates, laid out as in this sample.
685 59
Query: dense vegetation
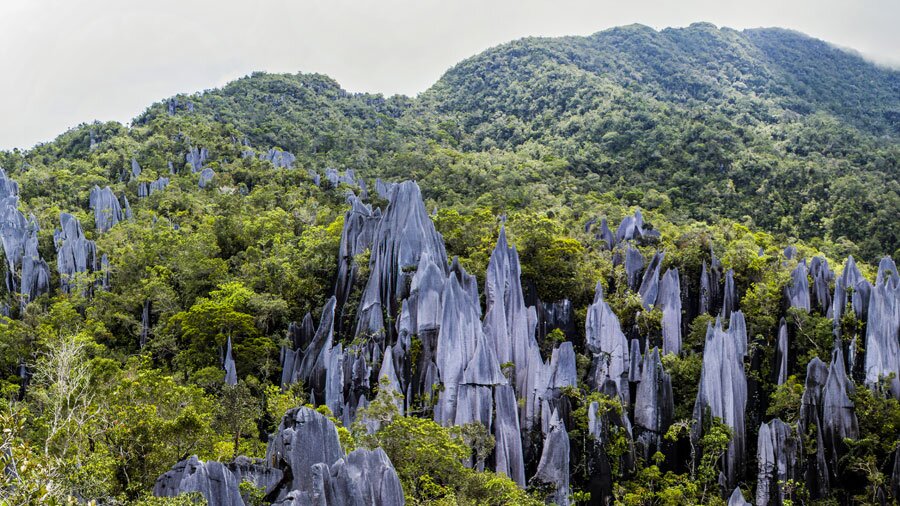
735 142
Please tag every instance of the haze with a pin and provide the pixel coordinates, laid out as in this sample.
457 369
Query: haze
69 62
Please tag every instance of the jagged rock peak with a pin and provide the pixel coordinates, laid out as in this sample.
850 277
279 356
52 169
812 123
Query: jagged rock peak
107 210
213 480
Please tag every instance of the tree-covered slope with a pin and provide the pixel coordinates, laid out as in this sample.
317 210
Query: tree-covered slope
179 286
762 124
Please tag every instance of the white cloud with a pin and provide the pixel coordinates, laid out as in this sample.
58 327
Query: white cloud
66 62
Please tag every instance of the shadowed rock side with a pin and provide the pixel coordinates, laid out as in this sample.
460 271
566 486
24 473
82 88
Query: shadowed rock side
882 329
654 405
553 468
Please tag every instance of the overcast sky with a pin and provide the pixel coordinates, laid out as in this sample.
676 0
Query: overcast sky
65 62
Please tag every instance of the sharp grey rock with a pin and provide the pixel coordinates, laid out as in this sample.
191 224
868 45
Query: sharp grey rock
8 187
363 478
278 158
588 224
729 298
213 480
127 210
649 289
106 207
559 373
669 301
356 237
459 334
635 362
882 357
850 280
508 456
143 190
606 341
484 369
383 188
781 354
255 471
404 233
196 158
316 178
737 498
511 326
158 185
797 292
654 406
790 252
104 267
35 278
336 178
74 253
206 177
723 392
557 315
737 329
822 277
311 369
553 468
705 290
135 168
631 227
389 371
779 452
334 381
838 411
634 264
606 234
230 368
145 323
817 474
304 437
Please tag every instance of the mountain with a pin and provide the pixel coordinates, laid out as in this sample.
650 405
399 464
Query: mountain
636 267
763 123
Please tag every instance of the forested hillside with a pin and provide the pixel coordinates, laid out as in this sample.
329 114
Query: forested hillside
640 267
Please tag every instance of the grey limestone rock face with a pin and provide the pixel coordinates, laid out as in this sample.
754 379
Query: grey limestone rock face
822 278
206 177
669 301
508 456
779 452
217 484
737 498
723 392
356 237
304 438
882 358
797 292
74 253
460 334
654 406
838 411
729 299
196 157
606 341
634 264
781 354
230 367
817 474
255 471
553 468
649 289
107 210
278 158
135 168
404 233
